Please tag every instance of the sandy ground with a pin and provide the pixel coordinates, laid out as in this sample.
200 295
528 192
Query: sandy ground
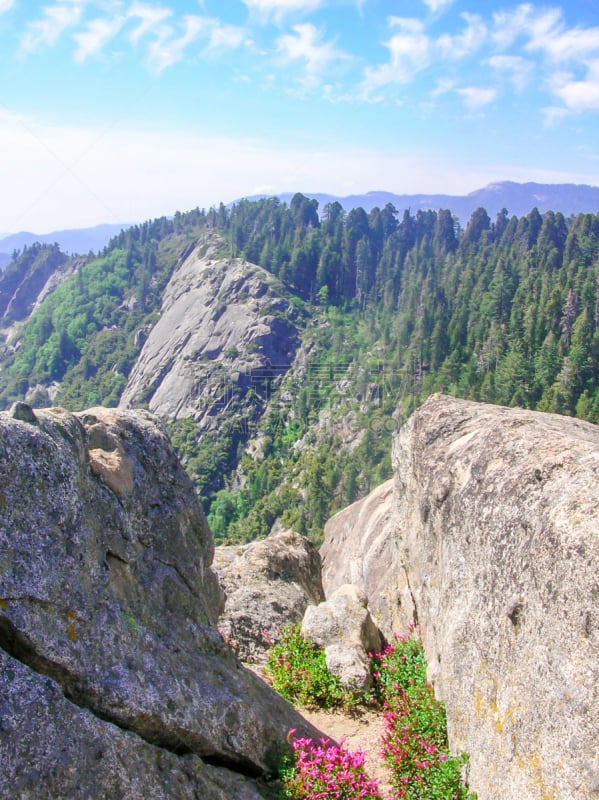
359 731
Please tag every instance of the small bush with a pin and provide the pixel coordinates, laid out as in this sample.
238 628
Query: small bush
414 746
297 670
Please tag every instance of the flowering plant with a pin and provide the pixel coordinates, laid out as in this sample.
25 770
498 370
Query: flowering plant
324 771
415 745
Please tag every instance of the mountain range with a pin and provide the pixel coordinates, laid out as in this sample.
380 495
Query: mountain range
76 240
517 198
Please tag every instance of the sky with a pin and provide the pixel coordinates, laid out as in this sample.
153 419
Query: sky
118 111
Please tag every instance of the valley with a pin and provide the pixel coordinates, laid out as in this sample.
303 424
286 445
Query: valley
282 345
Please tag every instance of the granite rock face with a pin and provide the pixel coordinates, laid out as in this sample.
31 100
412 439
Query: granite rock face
360 544
107 605
224 332
492 546
21 287
82 756
268 584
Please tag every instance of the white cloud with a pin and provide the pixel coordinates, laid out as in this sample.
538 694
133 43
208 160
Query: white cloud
444 85
561 45
5 5
554 114
409 53
55 20
96 35
306 45
151 18
437 5
277 9
168 49
517 69
511 25
476 97
570 56
225 37
579 95
466 43
167 43
545 31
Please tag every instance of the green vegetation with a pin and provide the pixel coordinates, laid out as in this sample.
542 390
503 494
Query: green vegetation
393 308
86 334
414 746
506 312
325 439
298 672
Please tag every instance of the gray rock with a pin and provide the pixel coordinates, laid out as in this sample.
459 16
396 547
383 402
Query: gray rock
20 289
496 547
107 598
224 330
52 748
23 412
360 545
268 585
343 626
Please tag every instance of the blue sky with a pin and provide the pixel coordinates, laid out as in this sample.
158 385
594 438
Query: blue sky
122 110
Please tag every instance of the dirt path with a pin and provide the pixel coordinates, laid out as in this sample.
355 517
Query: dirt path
359 731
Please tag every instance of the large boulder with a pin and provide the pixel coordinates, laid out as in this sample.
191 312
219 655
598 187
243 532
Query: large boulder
54 748
107 605
493 549
343 627
268 585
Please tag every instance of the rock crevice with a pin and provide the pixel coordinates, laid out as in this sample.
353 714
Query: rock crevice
123 635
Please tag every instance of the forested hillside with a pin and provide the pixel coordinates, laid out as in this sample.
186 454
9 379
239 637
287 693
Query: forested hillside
505 311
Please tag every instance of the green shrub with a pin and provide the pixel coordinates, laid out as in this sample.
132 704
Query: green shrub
415 746
297 670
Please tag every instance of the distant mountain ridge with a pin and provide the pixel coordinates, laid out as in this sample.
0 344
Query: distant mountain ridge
74 241
518 198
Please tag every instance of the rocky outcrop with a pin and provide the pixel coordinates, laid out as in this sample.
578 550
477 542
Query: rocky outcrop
268 585
343 627
495 554
23 283
53 748
225 333
107 602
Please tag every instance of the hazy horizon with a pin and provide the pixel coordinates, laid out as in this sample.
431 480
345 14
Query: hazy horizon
134 109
